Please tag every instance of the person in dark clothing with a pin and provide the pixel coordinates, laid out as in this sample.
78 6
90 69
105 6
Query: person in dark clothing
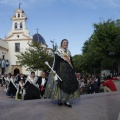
98 78
17 78
90 87
12 87
96 88
42 81
64 68
7 81
31 87
3 80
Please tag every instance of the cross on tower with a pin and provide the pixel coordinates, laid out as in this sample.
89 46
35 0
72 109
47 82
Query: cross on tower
19 4
37 30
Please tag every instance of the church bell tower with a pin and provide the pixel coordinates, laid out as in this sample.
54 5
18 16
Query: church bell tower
19 28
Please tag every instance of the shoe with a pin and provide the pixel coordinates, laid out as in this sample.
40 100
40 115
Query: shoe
12 96
60 103
67 104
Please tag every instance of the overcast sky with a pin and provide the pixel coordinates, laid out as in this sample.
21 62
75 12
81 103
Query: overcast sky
59 19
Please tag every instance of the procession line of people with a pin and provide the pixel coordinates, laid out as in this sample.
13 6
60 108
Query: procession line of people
23 87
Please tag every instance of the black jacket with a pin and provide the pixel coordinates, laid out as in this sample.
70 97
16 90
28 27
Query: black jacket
40 81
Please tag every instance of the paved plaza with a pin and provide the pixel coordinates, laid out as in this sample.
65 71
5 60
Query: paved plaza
101 106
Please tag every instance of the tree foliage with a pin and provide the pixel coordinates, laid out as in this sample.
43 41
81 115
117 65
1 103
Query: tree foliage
34 57
95 52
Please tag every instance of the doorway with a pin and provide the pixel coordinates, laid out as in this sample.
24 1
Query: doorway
16 71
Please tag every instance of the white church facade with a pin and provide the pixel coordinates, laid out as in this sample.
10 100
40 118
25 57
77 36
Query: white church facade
17 41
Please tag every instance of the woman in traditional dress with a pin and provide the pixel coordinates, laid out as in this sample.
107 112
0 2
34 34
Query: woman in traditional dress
7 81
19 94
64 68
12 87
31 87
3 80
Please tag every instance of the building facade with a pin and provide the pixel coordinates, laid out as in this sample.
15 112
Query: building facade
17 41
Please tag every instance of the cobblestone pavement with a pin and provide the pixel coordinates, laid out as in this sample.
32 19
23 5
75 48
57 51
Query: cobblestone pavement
101 106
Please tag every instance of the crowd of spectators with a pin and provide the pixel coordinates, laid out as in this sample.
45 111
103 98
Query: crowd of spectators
90 84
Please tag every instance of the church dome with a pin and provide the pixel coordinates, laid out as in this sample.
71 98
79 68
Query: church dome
38 38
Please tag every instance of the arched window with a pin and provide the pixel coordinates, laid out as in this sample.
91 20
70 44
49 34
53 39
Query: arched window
18 14
21 26
15 25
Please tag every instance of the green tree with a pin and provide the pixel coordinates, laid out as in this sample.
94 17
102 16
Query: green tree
107 39
77 62
34 57
107 36
95 52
